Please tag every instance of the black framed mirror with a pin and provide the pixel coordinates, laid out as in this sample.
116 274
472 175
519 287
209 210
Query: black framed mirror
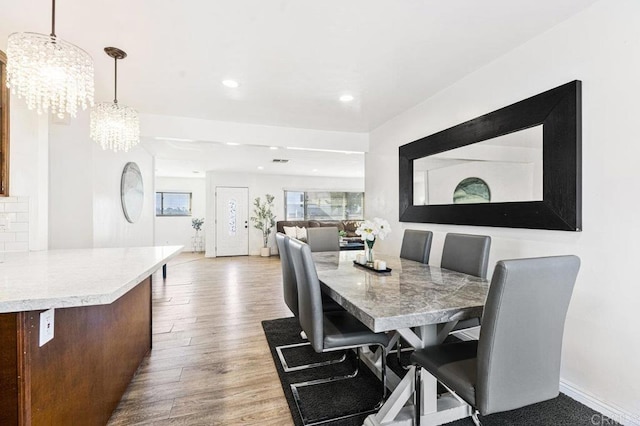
533 180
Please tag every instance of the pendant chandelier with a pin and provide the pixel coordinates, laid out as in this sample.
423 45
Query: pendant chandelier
49 73
115 126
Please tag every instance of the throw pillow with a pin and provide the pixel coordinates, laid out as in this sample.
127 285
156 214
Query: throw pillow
301 233
290 231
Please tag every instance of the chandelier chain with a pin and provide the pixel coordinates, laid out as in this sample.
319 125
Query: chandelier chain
115 85
53 18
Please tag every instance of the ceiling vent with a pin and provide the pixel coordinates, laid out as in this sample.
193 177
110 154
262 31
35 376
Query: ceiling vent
280 160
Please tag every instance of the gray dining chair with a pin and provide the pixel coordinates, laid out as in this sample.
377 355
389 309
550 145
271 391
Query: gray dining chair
329 331
468 254
416 245
516 361
290 290
323 238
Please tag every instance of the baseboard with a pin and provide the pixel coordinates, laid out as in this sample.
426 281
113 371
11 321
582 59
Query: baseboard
609 412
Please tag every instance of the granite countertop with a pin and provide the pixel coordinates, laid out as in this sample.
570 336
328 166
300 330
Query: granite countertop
79 277
412 294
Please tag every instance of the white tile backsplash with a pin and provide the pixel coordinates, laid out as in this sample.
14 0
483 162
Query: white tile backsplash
16 246
18 226
16 207
15 212
7 236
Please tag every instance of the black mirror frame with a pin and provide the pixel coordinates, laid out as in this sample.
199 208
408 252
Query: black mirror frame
560 112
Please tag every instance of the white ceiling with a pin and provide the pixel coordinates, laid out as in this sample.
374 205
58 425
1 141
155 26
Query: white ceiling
292 58
192 159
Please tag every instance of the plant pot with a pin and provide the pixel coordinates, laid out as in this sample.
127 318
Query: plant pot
265 252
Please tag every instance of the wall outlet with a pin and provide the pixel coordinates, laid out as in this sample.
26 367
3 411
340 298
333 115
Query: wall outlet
46 326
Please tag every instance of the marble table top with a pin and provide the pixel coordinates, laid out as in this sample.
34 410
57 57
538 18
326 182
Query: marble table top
81 277
412 294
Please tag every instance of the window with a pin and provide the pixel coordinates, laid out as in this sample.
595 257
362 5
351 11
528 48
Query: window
4 127
323 205
173 204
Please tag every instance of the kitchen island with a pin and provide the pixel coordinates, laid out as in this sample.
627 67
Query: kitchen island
101 300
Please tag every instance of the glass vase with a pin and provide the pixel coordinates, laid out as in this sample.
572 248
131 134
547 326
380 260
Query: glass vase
369 251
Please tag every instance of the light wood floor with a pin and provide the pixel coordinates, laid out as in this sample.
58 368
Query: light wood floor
210 363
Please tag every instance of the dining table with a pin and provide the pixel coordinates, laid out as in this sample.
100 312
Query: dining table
414 301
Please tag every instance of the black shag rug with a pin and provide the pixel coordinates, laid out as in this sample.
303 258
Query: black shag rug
361 393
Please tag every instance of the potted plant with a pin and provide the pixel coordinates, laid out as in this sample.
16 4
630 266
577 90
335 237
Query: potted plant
197 239
264 220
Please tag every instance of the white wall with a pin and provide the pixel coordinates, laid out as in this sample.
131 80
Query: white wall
178 230
28 173
261 184
84 191
70 185
506 181
601 47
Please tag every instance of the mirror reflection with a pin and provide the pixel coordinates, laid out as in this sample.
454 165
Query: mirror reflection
503 169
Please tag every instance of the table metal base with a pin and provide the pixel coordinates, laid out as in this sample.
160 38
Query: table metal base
399 409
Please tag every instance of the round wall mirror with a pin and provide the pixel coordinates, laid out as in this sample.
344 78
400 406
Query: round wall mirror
131 192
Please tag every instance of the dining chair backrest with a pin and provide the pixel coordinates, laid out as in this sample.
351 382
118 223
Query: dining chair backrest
310 312
416 245
520 342
325 238
289 286
466 253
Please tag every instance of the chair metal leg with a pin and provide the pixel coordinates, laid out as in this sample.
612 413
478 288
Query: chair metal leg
296 395
474 417
288 369
399 353
418 393
383 365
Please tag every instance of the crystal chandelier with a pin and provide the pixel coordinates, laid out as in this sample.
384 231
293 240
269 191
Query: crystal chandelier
115 126
50 73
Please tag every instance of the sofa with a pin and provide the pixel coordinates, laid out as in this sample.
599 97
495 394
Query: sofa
348 226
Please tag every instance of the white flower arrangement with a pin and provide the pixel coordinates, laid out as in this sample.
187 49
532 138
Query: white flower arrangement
369 230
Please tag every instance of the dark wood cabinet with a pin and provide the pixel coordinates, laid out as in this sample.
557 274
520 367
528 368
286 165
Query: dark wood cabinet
80 375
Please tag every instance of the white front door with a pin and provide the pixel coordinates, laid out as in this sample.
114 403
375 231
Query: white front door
232 221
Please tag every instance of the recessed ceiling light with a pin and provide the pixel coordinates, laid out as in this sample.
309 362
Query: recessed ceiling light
315 170
260 168
273 147
232 144
231 83
346 98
